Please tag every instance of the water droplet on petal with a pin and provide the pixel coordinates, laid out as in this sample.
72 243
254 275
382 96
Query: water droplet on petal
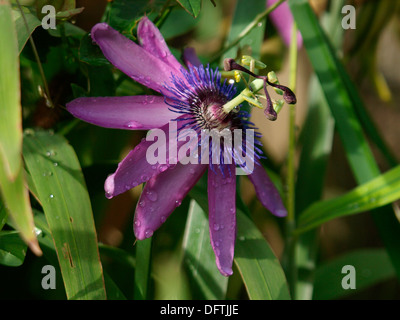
133 125
144 178
162 219
137 223
162 168
108 195
216 227
178 203
141 203
147 80
148 233
151 195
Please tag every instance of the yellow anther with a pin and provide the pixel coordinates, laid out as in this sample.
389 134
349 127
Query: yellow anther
237 76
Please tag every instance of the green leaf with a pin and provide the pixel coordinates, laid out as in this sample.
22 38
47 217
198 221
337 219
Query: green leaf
90 53
12 249
10 111
245 12
335 84
3 216
142 271
170 28
193 7
371 265
124 14
62 192
23 33
49 251
378 192
199 258
67 14
261 271
317 138
16 199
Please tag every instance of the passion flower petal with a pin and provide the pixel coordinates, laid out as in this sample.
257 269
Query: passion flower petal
131 58
132 112
162 194
267 192
222 215
151 39
136 168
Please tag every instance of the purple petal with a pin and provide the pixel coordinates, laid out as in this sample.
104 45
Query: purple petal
133 112
162 194
267 192
282 18
222 216
190 57
153 42
131 58
135 168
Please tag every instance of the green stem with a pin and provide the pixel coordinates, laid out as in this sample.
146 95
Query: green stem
142 270
291 174
248 29
49 101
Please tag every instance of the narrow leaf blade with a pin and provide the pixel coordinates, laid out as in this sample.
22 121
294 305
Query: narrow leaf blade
199 257
371 265
61 189
380 191
261 271
10 111
193 7
335 85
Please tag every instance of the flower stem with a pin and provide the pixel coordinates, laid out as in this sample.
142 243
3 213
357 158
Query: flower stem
291 173
49 101
247 29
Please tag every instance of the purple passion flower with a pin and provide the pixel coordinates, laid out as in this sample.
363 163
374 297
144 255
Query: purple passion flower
190 99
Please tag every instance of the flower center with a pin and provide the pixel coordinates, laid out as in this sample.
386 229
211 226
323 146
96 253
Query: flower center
214 117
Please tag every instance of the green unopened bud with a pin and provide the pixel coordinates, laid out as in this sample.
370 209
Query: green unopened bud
247 60
272 78
277 105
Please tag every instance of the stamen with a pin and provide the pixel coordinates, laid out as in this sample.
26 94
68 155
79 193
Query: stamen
288 95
